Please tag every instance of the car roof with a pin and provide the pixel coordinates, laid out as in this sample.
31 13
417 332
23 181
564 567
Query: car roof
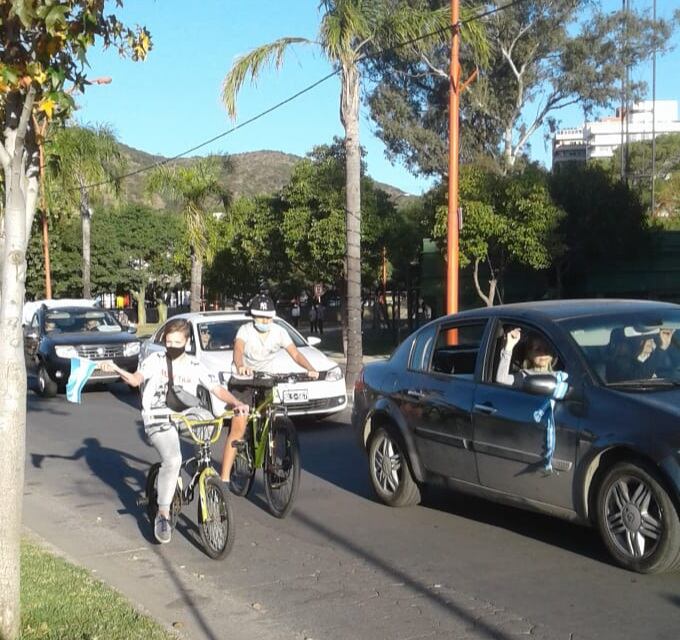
198 316
558 310
75 309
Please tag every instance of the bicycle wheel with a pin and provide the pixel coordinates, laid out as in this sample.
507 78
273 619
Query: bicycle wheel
282 468
217 532
243 471
152 496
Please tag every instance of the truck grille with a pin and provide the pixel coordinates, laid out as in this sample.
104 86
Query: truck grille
101 351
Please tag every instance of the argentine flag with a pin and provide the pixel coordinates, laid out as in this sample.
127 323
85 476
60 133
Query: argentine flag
81 370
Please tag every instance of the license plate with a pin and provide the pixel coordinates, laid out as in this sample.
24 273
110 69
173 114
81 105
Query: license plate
293 396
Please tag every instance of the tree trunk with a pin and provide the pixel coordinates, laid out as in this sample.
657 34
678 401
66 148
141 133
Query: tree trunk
349 112
86 222
196 282
20 203
140 297
162 311
488 299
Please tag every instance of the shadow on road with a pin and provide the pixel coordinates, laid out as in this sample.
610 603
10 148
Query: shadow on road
113 468
330 452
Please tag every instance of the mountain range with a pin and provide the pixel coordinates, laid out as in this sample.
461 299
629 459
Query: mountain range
254 173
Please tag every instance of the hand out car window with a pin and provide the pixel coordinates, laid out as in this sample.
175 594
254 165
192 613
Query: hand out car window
520 351
456 349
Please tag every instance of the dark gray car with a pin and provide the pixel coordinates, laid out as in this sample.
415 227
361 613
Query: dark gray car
601 448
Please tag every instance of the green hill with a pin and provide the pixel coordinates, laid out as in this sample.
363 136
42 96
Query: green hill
254 173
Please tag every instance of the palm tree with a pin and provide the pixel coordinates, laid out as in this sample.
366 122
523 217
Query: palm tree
82 162
350 31
193 187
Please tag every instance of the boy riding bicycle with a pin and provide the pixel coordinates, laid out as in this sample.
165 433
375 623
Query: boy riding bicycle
255 348
160 399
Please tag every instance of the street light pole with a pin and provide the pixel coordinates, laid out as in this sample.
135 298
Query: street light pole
452 257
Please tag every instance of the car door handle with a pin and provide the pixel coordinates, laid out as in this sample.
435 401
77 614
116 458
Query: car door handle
415 393
486 409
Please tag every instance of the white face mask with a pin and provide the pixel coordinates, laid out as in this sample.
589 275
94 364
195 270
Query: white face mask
262 327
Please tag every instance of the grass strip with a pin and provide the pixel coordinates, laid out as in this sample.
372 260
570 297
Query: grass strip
60 601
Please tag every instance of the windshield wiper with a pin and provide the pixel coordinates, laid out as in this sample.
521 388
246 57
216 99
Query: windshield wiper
645 383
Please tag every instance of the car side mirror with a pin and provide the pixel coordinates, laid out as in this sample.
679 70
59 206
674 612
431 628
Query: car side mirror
313 341
132 329
540 384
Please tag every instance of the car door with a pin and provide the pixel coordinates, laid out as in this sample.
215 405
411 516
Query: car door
439 398
509 444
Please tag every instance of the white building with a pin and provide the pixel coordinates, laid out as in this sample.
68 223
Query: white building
599 139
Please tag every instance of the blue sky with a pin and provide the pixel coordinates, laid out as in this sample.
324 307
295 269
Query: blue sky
171 101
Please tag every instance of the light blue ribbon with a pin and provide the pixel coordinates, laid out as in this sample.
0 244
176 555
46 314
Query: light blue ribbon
547 410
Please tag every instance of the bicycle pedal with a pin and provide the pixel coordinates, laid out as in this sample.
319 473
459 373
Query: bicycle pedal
142 501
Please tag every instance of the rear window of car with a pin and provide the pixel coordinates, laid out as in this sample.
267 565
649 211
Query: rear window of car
456 349
421 350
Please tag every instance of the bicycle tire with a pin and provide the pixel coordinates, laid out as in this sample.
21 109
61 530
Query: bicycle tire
243 471
218 532
152 497
282 468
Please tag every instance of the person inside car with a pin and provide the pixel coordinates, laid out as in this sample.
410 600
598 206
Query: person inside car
643 357
255 348
159 400
538 359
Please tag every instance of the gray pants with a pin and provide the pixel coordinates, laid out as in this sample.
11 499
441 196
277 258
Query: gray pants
167 445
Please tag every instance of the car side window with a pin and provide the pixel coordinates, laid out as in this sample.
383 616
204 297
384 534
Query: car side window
35 322
457 348
534 352
422 349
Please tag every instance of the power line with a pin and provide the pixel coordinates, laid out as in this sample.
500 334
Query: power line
278 105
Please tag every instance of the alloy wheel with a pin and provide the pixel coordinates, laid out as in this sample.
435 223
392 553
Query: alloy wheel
387 462
634 518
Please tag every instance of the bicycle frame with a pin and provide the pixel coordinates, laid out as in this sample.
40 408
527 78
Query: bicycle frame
203 457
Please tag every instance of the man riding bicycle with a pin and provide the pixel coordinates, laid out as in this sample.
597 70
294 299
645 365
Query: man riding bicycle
255 348
160 399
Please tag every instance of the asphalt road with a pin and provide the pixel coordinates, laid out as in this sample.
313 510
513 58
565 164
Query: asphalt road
341 566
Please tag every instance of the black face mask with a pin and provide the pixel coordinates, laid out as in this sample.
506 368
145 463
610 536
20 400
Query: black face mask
174 352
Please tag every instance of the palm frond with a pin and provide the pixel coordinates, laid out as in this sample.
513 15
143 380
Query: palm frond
251 64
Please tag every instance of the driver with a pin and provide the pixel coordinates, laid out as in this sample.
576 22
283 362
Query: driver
255 348
159 401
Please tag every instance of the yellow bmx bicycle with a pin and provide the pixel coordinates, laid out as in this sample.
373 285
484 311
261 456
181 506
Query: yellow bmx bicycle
215 519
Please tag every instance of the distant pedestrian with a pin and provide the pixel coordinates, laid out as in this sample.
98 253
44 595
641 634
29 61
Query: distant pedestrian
312 319
320 312
295 313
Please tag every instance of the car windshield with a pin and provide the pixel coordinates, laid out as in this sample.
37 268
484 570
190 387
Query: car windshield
219 336
631 350
76 320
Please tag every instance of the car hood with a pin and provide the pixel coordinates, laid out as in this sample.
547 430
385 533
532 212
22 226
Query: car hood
666 401
221 360
92 337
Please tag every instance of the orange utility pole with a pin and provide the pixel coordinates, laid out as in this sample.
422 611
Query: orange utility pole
454 126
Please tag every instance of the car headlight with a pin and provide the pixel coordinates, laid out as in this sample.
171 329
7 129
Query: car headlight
334 374
64 351
131 349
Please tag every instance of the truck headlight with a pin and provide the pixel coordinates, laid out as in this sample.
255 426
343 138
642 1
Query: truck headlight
334 374
64 351
131 349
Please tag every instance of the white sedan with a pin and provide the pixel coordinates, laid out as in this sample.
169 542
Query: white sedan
212 342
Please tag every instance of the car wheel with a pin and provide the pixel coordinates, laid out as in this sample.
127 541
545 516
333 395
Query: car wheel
47 387
389 470
637 519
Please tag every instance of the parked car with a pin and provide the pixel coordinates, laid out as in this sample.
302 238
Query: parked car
434 413
212 342
55 335
31 306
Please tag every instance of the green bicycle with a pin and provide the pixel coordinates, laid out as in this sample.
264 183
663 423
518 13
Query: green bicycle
215 519
270 444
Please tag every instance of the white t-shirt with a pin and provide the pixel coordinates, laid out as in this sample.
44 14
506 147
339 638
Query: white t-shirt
260 348
187 373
